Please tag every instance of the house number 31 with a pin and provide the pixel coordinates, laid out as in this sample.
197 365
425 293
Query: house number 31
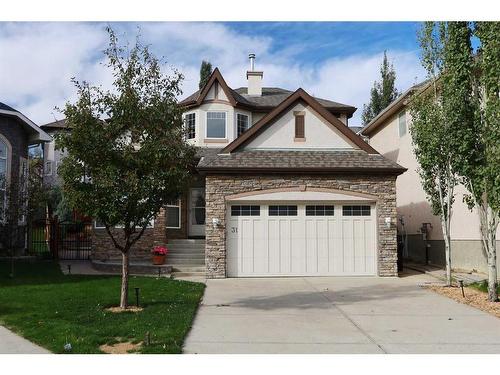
234 229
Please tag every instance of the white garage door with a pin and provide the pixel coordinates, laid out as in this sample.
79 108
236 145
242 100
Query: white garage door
275 239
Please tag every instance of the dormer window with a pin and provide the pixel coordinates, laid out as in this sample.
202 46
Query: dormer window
242 123
190 125
216 124
300 134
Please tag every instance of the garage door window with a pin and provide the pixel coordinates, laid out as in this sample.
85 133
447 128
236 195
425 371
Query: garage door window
245 210
282 210
356 210
319 210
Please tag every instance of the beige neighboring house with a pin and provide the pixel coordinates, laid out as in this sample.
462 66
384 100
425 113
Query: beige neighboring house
418 228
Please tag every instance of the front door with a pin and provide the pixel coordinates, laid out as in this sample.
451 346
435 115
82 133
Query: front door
197 212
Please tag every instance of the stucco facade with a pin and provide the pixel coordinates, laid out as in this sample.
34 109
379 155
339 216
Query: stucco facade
414 209
218 187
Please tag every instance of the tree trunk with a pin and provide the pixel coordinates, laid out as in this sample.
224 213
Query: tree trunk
447 252
492 278
492 266
124 290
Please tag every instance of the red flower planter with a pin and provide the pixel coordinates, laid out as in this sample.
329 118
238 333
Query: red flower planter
159 259
159 255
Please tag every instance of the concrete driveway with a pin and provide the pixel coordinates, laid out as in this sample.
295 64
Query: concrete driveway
337 315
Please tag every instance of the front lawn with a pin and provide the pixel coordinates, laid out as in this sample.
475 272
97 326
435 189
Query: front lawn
52 309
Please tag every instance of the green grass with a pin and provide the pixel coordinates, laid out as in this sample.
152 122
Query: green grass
51 309
482 286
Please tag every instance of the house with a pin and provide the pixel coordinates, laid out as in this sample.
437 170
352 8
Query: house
17 133
283 188
419 229
52 156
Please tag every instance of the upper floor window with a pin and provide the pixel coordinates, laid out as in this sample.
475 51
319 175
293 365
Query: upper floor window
242 123
190 120
299 125
402 123
216 124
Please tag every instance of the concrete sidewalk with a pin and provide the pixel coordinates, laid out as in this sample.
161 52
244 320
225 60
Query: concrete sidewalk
10 343
337 315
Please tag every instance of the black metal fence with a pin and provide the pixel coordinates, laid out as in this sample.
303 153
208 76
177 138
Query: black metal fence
60 240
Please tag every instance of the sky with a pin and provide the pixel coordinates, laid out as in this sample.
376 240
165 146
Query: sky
337 61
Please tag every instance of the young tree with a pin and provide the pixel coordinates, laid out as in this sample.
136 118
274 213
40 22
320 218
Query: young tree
205 71
127 155
382 93
481 170
433 135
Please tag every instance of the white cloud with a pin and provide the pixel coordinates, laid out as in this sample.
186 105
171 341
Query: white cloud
38 60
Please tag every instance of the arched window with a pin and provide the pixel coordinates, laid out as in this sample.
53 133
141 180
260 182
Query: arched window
4 173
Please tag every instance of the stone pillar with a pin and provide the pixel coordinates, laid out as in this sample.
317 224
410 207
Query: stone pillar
159 230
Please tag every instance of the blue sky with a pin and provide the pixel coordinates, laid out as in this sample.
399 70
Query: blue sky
335 60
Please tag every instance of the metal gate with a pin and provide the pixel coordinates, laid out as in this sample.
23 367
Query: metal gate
60 240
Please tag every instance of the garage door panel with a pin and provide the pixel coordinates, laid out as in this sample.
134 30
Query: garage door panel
246 245
298 247
347 241
260 250
311 240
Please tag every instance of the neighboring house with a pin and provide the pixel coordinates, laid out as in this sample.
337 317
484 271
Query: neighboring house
420 230
284 188
17 133
51 156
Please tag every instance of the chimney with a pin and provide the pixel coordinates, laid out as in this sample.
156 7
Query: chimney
254 78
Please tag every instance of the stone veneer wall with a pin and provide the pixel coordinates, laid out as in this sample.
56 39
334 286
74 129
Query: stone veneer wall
220 186
103 248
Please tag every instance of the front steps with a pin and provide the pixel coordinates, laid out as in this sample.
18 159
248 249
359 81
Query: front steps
187 257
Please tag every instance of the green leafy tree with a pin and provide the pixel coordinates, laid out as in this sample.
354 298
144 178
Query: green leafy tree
480 167
126 154
205 72
433 134
382 93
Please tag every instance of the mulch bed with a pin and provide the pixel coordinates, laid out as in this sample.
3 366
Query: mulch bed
473 297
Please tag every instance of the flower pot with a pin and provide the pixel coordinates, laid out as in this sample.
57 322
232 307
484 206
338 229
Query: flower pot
159 259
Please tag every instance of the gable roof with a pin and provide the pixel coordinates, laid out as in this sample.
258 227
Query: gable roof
271 97
393 108
55 125
198 97
36 134
276 113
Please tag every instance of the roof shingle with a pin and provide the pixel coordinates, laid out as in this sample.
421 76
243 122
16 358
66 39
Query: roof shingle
299 161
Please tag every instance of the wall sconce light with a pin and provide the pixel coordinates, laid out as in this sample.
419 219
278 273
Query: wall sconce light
388 222
215 223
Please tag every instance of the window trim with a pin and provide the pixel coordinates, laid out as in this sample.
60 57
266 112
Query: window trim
278 213
45 163
362 210
225 125
150 226
237 124
325 208
253 210
300 126
8 159
401 115
194 125
180 214
23 186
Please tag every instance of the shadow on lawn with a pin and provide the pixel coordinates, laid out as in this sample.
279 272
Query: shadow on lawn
40 273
